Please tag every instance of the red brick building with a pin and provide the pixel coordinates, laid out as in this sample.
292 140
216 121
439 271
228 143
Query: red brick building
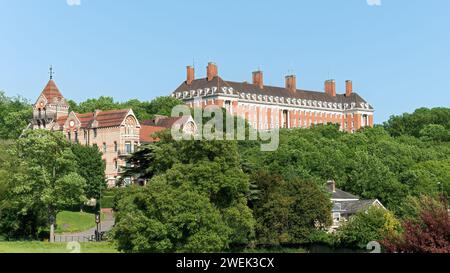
266 107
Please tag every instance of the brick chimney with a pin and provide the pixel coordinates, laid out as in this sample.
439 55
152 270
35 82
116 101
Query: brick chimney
190 77
332 185
211 71
258 79
330 87
291 83
348 88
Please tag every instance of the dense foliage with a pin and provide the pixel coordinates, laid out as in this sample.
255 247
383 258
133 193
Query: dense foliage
41 180
427 230
421 123
288 212
370 163
15 114
186 171
367 226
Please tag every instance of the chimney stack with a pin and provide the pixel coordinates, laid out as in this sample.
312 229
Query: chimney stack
330 87
348 88
258 79
190 77
332 185
291 83
211 71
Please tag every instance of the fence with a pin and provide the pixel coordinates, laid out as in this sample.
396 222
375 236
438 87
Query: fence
78 238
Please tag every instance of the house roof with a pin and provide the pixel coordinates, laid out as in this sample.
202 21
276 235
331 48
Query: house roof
147 131
340 194
111 118
245 87
51 91
352 207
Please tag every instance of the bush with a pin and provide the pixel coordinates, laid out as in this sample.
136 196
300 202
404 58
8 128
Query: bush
366 226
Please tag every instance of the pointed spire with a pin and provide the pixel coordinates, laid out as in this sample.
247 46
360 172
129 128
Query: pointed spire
51 72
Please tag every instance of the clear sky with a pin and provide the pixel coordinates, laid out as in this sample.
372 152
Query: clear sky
397 52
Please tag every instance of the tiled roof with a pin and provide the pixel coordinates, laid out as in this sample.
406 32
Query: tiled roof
166 122
51 91
147 131
111 118
269 91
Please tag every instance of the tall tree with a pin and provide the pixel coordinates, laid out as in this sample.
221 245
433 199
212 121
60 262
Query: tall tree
289 211
42 181
92 168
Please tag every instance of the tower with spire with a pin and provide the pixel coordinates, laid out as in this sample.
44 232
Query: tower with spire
49 106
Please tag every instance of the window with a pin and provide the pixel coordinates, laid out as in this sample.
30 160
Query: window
95 132
228 105
104 147
115 146
116 167
69 136
76 137
128 148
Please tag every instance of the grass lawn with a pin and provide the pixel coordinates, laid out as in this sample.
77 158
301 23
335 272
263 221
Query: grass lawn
44 247
69 221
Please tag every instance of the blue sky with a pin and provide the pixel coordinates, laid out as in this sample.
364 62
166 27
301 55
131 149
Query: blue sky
396 53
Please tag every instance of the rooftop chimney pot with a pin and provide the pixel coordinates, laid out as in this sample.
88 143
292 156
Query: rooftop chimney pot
190 77
258 79
332 185
291 83
330 87
348 88
211 71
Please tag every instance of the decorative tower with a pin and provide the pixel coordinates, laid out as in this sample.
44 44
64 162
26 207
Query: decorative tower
50 106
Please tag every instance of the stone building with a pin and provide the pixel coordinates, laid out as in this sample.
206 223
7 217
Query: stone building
116 133
266 107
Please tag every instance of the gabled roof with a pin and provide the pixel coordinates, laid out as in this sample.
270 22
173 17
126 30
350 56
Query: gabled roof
51 91
111 118
245 87
147 131
352 207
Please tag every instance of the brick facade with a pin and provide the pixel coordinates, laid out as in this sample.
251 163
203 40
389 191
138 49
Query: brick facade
266 107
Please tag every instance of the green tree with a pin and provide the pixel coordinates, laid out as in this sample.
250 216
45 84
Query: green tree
15 115
289 211
366 226
435 132
412 124
162 106
92 168
163 218
42 180
210 169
